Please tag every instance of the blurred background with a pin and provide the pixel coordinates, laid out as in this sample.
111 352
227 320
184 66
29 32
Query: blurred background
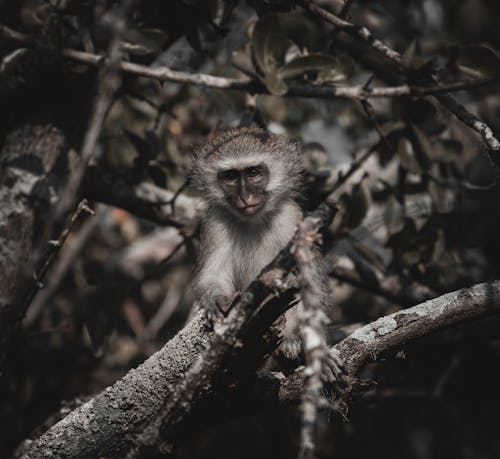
420 216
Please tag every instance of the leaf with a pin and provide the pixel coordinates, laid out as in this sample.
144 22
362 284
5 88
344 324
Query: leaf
356 204
275 84
409 54
147 41
310 63
269 43
447 150
368 254
425 143
483 59
394 216
407 156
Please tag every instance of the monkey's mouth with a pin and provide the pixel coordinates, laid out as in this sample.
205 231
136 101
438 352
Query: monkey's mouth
251 209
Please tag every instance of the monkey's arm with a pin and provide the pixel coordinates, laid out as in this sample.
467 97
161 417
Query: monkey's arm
214 286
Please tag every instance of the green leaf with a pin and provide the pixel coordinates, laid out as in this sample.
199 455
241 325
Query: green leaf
275 84
409 54
148 41
269 43
480 58
394 216
425 143
356 204
311 63
407 156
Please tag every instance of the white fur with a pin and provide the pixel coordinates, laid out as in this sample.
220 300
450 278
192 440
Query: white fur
238 254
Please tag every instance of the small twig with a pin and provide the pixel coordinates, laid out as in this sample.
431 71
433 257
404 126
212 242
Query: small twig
493 144
345 12
177 194
370 112
352 29
355 165
50 253
59 271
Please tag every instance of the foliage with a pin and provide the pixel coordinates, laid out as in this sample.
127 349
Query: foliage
419 217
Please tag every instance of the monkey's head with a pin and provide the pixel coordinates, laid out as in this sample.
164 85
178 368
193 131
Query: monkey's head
248 171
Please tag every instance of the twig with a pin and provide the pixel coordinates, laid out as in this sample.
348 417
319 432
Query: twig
345 12
476 124
51 251
109 82
313 321
352 29
60 268
162 73
445 99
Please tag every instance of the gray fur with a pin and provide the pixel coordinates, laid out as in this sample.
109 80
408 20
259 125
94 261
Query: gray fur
234 249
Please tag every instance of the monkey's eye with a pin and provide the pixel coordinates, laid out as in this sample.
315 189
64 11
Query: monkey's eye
230 175
253 172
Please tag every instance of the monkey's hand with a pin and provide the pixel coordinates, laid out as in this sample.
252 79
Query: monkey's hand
333 368
216 305
290 354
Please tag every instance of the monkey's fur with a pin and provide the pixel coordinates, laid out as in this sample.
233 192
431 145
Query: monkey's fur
250 180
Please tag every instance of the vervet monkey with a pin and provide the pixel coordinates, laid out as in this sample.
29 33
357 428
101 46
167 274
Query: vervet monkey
250 180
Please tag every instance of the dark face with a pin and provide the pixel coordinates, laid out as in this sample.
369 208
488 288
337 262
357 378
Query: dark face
245 189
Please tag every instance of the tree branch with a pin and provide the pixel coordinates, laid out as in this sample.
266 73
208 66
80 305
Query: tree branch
162 73
445 99
111 419
145 200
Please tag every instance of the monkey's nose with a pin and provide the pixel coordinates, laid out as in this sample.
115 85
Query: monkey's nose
245 199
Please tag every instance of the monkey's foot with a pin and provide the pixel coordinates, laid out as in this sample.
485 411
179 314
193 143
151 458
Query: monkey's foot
333 368
290 349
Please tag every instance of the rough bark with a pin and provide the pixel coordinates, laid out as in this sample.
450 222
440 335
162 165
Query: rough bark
104 424
44 118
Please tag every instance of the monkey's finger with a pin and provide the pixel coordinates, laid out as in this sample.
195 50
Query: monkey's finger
333 368
212 311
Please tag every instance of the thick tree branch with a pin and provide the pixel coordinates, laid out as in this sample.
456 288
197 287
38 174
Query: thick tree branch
109 420
143 199
178 395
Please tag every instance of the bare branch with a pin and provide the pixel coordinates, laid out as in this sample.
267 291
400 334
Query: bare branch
397 329
312 329
162 73
445 99
352 29
144 199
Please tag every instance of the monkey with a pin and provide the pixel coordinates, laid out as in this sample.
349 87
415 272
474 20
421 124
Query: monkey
251 181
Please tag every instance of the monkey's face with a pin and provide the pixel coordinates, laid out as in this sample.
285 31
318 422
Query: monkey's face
248 172
245 189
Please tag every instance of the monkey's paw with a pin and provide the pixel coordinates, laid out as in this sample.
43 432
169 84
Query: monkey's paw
217 306
333 368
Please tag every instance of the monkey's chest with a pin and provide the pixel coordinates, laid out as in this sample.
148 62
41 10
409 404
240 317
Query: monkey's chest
248 262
